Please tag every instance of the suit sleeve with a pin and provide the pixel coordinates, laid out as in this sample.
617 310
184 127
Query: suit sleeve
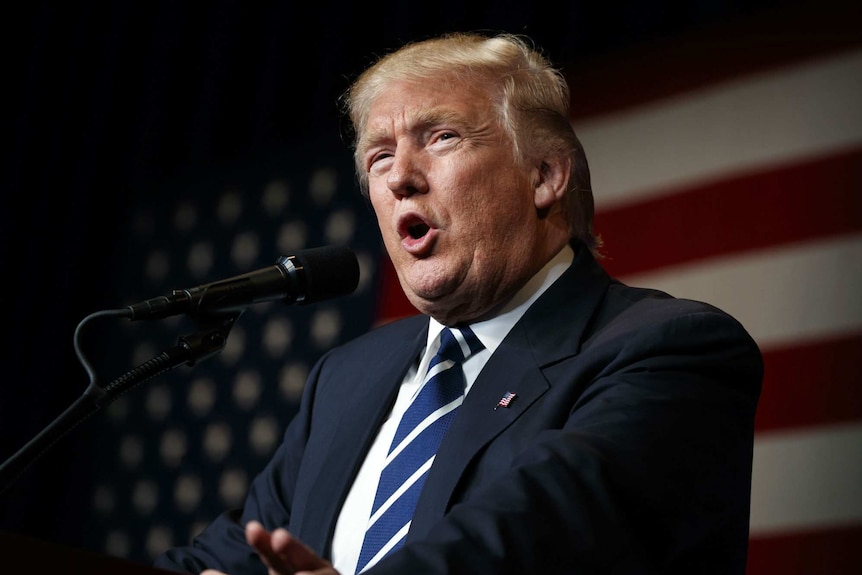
648 470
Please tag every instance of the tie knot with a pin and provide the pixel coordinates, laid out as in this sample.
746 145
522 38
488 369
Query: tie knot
458 343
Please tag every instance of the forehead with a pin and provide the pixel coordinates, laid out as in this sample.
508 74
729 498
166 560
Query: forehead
417 104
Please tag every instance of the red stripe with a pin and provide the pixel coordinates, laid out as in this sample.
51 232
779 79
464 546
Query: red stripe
833 551
812 384
703 57
816 199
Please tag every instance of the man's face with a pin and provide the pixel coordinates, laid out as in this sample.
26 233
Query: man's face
455 209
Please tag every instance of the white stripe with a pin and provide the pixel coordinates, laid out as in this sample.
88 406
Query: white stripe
402 533
398 492
462 342
763 120
795 293
439 368
807 479
440 412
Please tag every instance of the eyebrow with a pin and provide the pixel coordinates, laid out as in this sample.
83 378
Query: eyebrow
420 122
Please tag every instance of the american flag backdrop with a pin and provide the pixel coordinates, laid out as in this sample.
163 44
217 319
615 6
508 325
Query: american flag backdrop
747 194
740 184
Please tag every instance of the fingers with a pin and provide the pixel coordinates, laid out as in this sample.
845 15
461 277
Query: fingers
261 540
258 537
282 553
298 554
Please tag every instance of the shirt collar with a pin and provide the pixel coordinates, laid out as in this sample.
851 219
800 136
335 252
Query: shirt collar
491 332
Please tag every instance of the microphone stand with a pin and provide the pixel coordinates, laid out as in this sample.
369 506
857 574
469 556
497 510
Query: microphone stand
213 329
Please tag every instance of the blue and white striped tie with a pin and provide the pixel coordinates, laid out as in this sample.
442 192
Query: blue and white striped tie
415 444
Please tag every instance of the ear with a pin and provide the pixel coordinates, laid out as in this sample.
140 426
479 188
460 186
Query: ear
551 181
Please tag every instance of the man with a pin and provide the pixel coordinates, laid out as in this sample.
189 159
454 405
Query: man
597 428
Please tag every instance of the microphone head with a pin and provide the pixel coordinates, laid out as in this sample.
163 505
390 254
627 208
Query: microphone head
329 272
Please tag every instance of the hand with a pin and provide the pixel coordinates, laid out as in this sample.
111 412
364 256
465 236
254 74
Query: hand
282 553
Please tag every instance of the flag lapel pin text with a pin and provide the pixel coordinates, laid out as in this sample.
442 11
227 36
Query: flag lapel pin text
505 400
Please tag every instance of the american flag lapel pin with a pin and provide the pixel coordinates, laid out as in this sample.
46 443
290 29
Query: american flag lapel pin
505 400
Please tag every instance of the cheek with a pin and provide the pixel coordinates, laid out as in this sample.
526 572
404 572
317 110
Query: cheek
502 209
380 204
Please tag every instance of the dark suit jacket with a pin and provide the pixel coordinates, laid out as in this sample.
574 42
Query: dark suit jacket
627 448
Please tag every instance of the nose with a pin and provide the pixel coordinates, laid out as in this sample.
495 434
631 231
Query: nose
406 175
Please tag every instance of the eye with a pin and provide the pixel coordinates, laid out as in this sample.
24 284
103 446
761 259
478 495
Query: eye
444 139
379 156
377 162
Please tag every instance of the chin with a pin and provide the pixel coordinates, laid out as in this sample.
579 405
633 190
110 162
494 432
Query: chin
424 301
423 304
425 285
448 310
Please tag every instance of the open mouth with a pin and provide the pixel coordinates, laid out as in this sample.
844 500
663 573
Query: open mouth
417 230
413 227
418 235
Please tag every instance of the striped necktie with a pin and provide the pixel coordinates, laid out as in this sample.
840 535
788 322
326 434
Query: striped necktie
415 444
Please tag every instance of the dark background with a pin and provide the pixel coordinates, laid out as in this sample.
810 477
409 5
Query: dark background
110 104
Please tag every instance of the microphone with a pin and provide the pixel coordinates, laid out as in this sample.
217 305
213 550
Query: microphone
309 276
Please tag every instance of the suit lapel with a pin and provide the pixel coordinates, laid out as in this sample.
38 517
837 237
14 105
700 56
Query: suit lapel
550 331
366 402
